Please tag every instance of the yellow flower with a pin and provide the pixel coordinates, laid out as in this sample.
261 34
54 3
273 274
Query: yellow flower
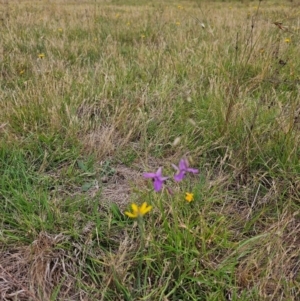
179 7
41 55
177 23
138 211
189 197
60 29
287 40
142 36
22 71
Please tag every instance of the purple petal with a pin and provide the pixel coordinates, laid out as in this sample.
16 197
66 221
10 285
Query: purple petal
149 175
192 170
162 179
157 185
183 164
179 176
159 172
159 175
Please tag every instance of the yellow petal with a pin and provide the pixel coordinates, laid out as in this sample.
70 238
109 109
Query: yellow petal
129 214
135 208
147 209
143 207
189 196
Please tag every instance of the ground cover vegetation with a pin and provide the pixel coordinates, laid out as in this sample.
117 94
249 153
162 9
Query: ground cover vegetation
98 99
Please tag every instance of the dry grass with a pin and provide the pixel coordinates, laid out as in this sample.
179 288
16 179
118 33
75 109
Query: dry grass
93 94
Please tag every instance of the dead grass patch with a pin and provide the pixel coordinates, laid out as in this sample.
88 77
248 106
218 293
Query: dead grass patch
36 271
119 187
47 271
274 262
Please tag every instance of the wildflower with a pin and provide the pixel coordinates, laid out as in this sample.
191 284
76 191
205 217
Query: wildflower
179 7
41 55
60 29
142 36
22 71
177 23
189 197
287 40
157 178
182 169
138 211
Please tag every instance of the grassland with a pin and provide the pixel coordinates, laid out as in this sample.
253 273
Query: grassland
93 94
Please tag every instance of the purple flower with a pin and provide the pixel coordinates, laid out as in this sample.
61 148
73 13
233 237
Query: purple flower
182 169
157 178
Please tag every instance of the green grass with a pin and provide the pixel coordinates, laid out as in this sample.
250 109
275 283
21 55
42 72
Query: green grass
123 88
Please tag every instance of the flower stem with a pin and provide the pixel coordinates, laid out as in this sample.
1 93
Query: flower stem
141 226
